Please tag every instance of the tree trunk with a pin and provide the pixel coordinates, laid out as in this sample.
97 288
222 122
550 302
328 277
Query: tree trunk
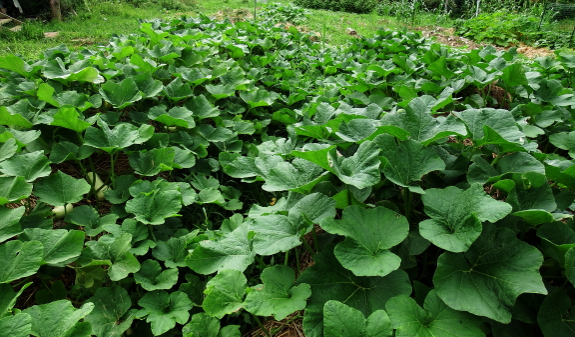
56 13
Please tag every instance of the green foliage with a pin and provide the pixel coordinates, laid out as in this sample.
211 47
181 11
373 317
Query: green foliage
351 6
231 154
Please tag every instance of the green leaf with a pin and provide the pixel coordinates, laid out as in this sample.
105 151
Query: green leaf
556 316
277 296
59 189
456 215
148 85
225 293
151 276
202 325
9 297
111 315
155 206
435 319
20 259
564 141
514 75
150 163
177 116
60 319
369 234
56 292
69 119
290 176
63 151
122 94
274 233
177 90
13 189
13 118
60 246
201 107
531 197
173 252
87 217
496 260
493 126
259 97
121 192
19 325
519 162
330 281
407 162
422 127
8 149
118 138
233 251
17 65
10 222
165 310
340 320
31 166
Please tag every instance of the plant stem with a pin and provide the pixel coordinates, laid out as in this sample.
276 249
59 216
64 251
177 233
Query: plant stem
315 244
297 261
286 258
261 325
406 203
306 245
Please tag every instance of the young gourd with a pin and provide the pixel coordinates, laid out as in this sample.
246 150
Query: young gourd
60 211
98 185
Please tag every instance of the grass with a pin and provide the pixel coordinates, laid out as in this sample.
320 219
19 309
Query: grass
105 18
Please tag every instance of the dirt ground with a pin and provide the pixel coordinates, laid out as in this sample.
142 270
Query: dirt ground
448 37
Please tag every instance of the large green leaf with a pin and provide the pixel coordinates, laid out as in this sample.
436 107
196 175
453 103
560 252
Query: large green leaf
60 319
60 246
225 293
493 126
69 118
405 163
330 281
151 277
155 206
340 320
177 116
530 195
19 325
63 151
456 215
9 297
118 138
274 233
259 97
10 222
421 126
519 162
369 234
122 94
150 163
277 296
496 260
360 170
31 166
233 251
59 189
556 316
435 319
203 325
20 259
111 315
164 310
13 189
565 141
18 65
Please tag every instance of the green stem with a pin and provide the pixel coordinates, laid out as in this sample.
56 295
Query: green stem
315 244
406 203
297 261
113 159
286 258
261 325
349 200
261 262
495 160
306 245
151 230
